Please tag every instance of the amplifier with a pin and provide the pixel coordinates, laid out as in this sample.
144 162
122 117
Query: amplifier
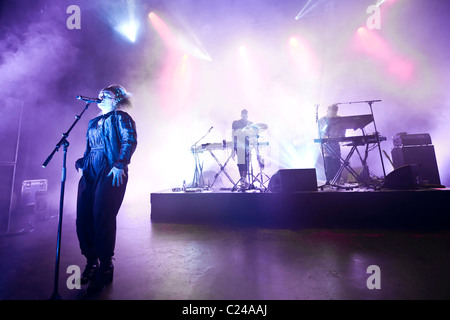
423 157
31 188
404 139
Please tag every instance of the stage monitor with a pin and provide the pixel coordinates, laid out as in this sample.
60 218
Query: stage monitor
402 178
293 180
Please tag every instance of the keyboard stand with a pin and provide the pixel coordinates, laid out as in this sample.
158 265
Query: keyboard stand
345 164
222 168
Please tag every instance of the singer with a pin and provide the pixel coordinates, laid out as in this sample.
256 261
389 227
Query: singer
111 141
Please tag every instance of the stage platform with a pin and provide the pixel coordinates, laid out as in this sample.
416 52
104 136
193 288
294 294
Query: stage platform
419 209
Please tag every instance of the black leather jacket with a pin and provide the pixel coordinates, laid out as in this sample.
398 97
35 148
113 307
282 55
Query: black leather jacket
119 139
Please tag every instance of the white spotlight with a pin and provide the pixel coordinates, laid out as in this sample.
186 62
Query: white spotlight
122 18
128 30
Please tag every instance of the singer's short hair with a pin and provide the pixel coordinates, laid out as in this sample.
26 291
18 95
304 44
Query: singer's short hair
244 111
121 95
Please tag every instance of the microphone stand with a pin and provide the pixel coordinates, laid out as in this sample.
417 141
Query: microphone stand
63 142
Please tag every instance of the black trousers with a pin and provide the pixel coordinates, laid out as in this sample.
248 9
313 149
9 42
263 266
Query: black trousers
332 166
243 157
98 204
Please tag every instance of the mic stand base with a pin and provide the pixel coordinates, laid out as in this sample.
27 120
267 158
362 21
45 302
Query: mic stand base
55 297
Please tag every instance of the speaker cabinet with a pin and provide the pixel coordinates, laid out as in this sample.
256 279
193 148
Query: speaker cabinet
6 182
423 157
293 180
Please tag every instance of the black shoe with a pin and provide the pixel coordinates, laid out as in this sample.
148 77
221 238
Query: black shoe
89 271
103 276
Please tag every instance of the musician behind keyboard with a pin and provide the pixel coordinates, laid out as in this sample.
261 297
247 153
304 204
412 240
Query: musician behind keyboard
239 148
327 130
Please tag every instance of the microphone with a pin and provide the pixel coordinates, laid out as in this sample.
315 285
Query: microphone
210 129
90 100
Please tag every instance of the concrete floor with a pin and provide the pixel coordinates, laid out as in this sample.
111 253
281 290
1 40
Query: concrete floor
212 262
